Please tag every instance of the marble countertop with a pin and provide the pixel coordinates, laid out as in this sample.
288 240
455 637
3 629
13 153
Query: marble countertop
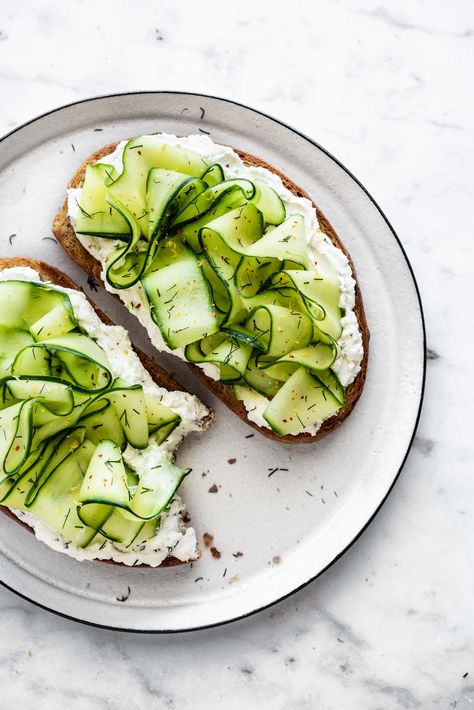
387 88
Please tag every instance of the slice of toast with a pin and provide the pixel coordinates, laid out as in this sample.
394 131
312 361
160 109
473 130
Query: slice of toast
66 236
160 376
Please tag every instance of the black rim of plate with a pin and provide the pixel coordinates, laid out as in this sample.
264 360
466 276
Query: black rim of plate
395 236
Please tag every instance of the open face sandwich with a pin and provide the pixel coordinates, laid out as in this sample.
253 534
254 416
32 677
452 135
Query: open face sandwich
228 265
89 427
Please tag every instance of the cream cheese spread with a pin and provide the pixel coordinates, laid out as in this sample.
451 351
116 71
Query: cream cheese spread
172 537
350 347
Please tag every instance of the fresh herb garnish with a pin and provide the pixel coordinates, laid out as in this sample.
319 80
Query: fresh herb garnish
65 519
125 596
124 416
110 463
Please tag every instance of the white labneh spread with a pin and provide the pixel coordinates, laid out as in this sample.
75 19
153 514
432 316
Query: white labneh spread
171 537
351 351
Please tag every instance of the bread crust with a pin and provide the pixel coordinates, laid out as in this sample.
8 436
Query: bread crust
160 376
66 236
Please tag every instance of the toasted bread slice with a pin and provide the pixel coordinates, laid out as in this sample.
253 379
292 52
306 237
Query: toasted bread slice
66 236
160 376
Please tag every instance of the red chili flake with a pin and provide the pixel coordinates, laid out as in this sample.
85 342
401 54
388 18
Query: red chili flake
213 489
215 553
231 461
208 539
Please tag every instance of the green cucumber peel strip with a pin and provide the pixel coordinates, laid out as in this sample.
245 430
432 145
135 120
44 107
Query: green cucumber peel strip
213 175
269 203
16 435
201 204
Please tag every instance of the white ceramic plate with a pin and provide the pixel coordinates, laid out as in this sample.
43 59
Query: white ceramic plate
289 526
